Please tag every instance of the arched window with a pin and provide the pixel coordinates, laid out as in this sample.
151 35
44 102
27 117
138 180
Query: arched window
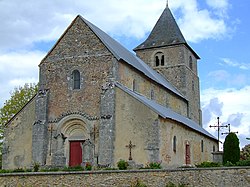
157 62
190 63
76 79
159 59
202 146
162 60
174 144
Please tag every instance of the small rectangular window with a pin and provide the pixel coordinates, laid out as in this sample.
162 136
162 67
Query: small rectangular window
174 144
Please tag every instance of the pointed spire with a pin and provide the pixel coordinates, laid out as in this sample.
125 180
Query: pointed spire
165 32
167 4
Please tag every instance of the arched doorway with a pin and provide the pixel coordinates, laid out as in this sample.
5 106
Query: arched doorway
74 133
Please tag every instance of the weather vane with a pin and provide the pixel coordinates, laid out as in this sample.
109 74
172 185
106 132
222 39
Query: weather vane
167 3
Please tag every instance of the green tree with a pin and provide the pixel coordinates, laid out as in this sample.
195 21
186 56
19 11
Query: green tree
19 97
245 153
231 149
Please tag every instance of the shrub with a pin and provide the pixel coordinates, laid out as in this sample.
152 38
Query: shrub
88 166
5 171
243 163
36 166
74 168
122 164
208 164
231 149
228 164
49 169
18 170
153 165
28 170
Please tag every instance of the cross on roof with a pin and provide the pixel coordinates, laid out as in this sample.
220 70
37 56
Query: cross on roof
130 146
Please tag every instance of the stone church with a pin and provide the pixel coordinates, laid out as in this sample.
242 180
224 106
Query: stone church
99 103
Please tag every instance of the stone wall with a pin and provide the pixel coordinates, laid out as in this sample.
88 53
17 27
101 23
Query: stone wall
153 136
178 72
17 143
174 158
129 76
229 177
135 122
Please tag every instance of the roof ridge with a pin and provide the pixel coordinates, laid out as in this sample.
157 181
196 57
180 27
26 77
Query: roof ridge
121 52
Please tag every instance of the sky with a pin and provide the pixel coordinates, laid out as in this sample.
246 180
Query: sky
216 29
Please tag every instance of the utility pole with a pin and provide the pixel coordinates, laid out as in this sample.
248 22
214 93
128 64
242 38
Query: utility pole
218 126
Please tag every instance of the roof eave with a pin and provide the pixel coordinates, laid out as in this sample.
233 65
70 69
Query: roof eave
168 45
136 96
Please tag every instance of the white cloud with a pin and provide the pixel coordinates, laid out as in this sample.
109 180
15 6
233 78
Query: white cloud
26 22
233 63
16 69
234 109
218 4
224 78
219 75
200 24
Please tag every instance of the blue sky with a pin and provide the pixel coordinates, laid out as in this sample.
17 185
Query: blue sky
218 30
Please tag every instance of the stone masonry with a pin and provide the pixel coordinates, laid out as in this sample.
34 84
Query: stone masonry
223 177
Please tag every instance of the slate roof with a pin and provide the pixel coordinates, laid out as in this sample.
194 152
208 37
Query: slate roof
121 53
165 32
166 112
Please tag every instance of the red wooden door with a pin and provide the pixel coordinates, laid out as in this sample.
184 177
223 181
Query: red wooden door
188 161
75 155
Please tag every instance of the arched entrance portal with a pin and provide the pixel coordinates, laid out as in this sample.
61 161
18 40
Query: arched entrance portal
75 144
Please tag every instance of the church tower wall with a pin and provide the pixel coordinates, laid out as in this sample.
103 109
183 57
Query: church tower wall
167 51
179 68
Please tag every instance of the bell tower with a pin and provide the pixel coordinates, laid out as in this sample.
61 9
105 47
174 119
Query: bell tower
167 52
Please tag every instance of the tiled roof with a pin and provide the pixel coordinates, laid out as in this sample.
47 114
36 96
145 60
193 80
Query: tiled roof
166 32
121 53
165 112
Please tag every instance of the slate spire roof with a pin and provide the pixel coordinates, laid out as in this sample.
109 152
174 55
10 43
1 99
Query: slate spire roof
166 32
